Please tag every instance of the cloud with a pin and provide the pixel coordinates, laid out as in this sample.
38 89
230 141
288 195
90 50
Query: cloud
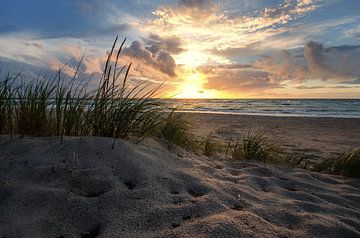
247 50
333 63
312 62
206 28
354 81
195 3
34 44
309 87
354 32
314 53
234 78
154 54
155 43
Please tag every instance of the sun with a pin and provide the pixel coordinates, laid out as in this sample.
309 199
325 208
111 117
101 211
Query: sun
192 85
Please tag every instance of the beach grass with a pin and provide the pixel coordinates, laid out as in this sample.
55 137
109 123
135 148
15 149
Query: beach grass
210 147
347 164
6 103
256 145
175 131
60 106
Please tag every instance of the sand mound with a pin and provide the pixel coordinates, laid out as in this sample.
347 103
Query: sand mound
82 188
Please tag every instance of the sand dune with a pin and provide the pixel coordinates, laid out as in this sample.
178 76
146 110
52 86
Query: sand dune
82 188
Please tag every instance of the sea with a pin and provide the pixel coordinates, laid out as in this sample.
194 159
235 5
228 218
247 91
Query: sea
339 108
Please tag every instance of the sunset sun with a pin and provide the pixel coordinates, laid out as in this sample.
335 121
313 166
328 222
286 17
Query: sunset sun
192 86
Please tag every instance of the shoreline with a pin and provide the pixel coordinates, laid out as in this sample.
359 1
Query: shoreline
264 115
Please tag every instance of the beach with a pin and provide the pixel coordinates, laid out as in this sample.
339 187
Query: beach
82 188
180 119
308 136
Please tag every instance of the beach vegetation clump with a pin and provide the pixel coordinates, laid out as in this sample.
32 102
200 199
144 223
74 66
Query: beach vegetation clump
175 131
7 103
255 145
210 146
58 106
347 164
33 108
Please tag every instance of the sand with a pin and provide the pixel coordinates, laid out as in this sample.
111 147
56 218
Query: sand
315 137
82 188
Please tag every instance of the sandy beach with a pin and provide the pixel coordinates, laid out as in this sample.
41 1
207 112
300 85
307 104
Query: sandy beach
83 188
180 119
308 136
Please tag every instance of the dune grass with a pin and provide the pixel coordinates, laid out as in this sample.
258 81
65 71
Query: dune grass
175 131
347 164
211 146
59 106
7 104
256 145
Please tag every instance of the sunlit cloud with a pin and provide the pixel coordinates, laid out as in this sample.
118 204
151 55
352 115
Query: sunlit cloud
198 48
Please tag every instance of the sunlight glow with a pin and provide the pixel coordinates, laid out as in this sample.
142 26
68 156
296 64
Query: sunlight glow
192 58
192 86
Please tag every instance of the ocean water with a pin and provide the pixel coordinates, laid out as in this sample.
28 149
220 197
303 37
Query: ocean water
342 108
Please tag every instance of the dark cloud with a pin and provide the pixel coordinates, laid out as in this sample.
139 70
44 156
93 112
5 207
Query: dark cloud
314 53
34 44
354 81
155 43
162 60
343 48
309 87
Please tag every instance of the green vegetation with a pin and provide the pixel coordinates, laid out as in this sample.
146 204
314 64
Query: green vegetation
255 146
347 164
210 147
176 131
64 107
7 104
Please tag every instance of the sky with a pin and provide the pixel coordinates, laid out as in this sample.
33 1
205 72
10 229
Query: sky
194 48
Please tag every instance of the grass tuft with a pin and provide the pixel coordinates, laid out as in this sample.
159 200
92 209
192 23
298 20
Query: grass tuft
255 146
175 131
210 147
347 164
